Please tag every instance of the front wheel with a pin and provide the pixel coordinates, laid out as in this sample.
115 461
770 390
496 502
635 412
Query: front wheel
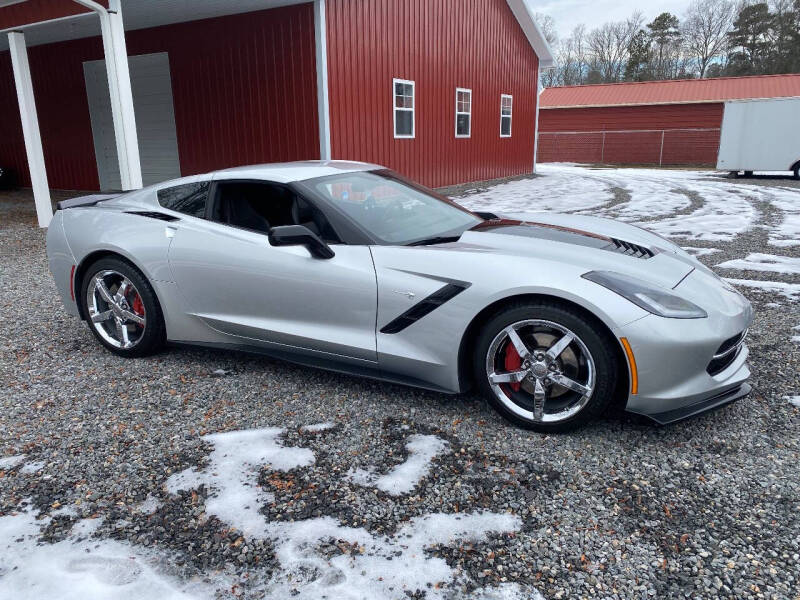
121 308
545 366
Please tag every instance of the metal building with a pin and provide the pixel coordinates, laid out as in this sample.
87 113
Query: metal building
116 94
648 123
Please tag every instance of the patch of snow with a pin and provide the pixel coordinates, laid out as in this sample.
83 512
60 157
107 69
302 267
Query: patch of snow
700 251
67 510
32 467
232 475
73 569
794 400
791 291
148 506
506 591
796 338
764 262
786 234
380 567
317 427
9 462
403 478
560 188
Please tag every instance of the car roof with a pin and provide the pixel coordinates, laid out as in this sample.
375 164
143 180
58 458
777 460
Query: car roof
294 171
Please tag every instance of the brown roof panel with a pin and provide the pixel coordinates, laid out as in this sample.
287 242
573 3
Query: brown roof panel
679 91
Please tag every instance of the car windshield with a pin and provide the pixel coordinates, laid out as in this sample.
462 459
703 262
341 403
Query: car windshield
393 210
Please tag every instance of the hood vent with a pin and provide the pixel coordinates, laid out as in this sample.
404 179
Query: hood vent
630 249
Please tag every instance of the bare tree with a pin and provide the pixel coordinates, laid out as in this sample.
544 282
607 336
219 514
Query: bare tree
705 30
609 45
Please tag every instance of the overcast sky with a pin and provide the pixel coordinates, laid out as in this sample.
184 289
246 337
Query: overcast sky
569 13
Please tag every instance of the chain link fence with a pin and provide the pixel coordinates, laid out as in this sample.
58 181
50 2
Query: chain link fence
636 146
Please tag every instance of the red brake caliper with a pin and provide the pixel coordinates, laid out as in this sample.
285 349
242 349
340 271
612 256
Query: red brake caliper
512 363
138 305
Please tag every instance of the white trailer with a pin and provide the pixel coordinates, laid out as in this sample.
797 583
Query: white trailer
760 135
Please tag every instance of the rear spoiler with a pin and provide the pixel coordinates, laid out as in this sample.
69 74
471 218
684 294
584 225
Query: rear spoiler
85 201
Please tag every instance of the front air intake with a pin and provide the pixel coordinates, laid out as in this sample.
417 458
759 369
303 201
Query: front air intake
726 354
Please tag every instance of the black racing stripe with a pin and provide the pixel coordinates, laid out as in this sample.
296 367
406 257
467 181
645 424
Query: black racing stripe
425 306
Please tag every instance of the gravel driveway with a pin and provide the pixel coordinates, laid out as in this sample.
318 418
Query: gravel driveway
137 479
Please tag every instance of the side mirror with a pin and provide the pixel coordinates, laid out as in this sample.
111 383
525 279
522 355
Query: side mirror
300 235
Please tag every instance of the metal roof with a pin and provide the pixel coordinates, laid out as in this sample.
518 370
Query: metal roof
680 91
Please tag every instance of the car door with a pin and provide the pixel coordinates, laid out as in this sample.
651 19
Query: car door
240 285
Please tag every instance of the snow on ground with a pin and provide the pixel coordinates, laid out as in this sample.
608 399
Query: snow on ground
403 478
764 262
700 251
9 462
790 291
76 568
317 427
150 505
649 197
794 400
788 232
232 475
796 338
383 567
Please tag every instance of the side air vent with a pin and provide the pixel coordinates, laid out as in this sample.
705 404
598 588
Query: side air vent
630 249
153 215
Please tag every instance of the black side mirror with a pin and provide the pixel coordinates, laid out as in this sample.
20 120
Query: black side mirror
300 235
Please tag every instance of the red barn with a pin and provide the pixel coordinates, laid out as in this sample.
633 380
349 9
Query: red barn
654 122
105 95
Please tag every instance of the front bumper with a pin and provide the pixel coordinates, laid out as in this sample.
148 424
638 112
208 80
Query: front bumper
673 356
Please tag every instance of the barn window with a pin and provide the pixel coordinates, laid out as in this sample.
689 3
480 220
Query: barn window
403 108
506 102
463 113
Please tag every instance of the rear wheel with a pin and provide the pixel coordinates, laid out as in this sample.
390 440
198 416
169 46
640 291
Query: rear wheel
797 171
545 366
121 308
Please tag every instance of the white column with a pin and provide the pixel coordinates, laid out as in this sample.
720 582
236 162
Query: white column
323 110
30 127
119 87
536 133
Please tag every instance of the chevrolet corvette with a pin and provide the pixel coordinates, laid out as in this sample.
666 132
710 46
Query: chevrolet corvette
351 267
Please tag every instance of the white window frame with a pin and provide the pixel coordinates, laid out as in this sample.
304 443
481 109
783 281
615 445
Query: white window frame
510 115
412 110
458 112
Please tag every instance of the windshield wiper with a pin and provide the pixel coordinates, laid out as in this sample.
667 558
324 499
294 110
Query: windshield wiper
442 239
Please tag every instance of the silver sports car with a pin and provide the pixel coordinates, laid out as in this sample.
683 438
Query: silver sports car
351 267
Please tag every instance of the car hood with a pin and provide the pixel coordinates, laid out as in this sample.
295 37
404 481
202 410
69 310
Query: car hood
585 243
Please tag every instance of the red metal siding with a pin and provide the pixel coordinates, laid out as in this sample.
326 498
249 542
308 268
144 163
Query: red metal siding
632 134
441 45
679 116
244 89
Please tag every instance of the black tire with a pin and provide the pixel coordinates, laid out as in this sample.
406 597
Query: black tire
599 345
154 336
748 174
797 171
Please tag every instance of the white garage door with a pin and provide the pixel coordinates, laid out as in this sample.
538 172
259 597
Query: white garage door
155 119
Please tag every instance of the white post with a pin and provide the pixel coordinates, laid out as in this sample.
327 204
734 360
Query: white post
30 127
119 87
536 125
323 109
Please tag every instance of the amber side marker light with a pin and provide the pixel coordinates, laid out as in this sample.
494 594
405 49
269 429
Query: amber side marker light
72 282
632 364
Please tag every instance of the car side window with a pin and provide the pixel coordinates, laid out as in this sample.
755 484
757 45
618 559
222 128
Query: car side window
261 206
189 198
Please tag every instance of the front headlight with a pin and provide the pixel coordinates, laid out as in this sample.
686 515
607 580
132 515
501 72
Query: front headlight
649 297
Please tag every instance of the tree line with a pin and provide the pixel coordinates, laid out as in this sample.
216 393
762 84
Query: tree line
714 38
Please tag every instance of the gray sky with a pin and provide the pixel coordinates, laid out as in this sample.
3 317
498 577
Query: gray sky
569 13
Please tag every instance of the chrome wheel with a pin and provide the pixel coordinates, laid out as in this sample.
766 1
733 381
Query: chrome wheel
540 370
116 310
